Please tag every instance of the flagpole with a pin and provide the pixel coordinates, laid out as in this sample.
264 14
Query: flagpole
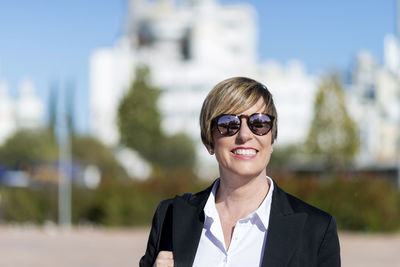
64 185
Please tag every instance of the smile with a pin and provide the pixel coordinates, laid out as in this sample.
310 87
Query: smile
244 152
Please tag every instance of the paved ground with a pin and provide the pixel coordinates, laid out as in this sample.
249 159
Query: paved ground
50 246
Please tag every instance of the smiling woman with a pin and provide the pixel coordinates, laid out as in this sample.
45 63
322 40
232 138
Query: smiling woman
243 218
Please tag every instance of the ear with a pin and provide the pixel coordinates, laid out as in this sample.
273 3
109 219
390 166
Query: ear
210 149
272 148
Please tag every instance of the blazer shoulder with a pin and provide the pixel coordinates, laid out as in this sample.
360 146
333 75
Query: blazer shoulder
321 232
196 199
319 222
163 205
313 212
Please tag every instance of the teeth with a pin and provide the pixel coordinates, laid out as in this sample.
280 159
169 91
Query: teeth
245 152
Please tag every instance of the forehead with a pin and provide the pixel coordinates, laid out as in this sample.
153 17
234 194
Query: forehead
248 108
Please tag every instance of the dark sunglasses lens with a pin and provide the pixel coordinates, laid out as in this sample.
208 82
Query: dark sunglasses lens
260 124
228 124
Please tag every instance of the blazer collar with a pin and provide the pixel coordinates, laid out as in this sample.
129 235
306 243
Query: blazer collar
285 227
187 224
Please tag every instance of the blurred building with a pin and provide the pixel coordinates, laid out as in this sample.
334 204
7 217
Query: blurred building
374 101
26 111
294 92
7 113
189 46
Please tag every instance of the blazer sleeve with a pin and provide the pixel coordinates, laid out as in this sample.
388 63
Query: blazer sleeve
329 250
153 242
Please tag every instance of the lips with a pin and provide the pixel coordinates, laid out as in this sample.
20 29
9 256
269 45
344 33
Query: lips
244 151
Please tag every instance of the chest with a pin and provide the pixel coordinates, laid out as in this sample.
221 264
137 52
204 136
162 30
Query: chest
236 244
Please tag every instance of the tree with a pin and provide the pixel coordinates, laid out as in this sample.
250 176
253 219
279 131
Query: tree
332 140
90 151
26 147
138 117
52 104
139 121
176 152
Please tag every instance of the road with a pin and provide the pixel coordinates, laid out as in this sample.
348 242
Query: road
49 246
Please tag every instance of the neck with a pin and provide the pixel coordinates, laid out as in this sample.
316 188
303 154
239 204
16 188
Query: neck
242 194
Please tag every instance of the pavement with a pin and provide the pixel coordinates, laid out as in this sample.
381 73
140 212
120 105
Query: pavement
31 246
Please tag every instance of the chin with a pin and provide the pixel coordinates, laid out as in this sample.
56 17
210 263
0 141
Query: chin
249 172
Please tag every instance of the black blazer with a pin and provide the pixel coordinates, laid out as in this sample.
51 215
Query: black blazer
298 233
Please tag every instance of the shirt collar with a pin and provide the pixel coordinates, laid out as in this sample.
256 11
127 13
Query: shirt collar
262 212
209 209
264 209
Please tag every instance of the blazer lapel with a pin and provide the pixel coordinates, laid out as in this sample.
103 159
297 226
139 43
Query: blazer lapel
187 224
284 230
285 227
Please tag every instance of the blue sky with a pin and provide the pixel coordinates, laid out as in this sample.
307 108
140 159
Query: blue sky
323 34
51 41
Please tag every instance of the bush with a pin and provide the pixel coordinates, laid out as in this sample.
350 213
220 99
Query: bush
130 203
357 204
28 205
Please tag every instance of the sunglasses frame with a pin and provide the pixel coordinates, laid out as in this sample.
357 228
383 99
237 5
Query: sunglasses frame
247 117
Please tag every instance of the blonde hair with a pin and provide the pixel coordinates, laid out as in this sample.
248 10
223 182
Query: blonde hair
234 95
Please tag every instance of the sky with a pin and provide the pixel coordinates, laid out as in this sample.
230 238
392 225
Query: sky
51 41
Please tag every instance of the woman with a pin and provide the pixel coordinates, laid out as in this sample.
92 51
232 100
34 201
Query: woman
243 218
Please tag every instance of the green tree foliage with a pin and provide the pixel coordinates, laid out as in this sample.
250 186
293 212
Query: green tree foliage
175 152
139 118
364 203
35 151
118 200
28 205
28 146
285 157
52 111
90 151
139 123
128 204
333 139
93 205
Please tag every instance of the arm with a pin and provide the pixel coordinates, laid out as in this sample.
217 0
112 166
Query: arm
153 242
329 250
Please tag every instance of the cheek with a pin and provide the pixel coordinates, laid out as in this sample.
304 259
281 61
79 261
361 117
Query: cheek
267 159
222 146
267 149
266 141
217 140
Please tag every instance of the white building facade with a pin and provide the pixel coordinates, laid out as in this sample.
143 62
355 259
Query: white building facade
26 111
374 102
190 46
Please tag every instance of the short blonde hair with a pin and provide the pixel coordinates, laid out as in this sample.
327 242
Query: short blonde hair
234 95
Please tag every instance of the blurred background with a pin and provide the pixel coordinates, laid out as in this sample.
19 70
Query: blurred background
99 106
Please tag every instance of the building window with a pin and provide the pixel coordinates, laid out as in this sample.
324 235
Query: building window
145 34
186 45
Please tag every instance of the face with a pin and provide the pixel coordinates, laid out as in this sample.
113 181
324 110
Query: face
243 154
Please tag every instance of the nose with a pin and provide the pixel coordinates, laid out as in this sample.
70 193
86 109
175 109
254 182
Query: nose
244 134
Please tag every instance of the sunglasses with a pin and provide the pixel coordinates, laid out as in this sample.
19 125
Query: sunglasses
229 124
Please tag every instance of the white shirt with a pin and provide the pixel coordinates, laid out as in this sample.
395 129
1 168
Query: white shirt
248 239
